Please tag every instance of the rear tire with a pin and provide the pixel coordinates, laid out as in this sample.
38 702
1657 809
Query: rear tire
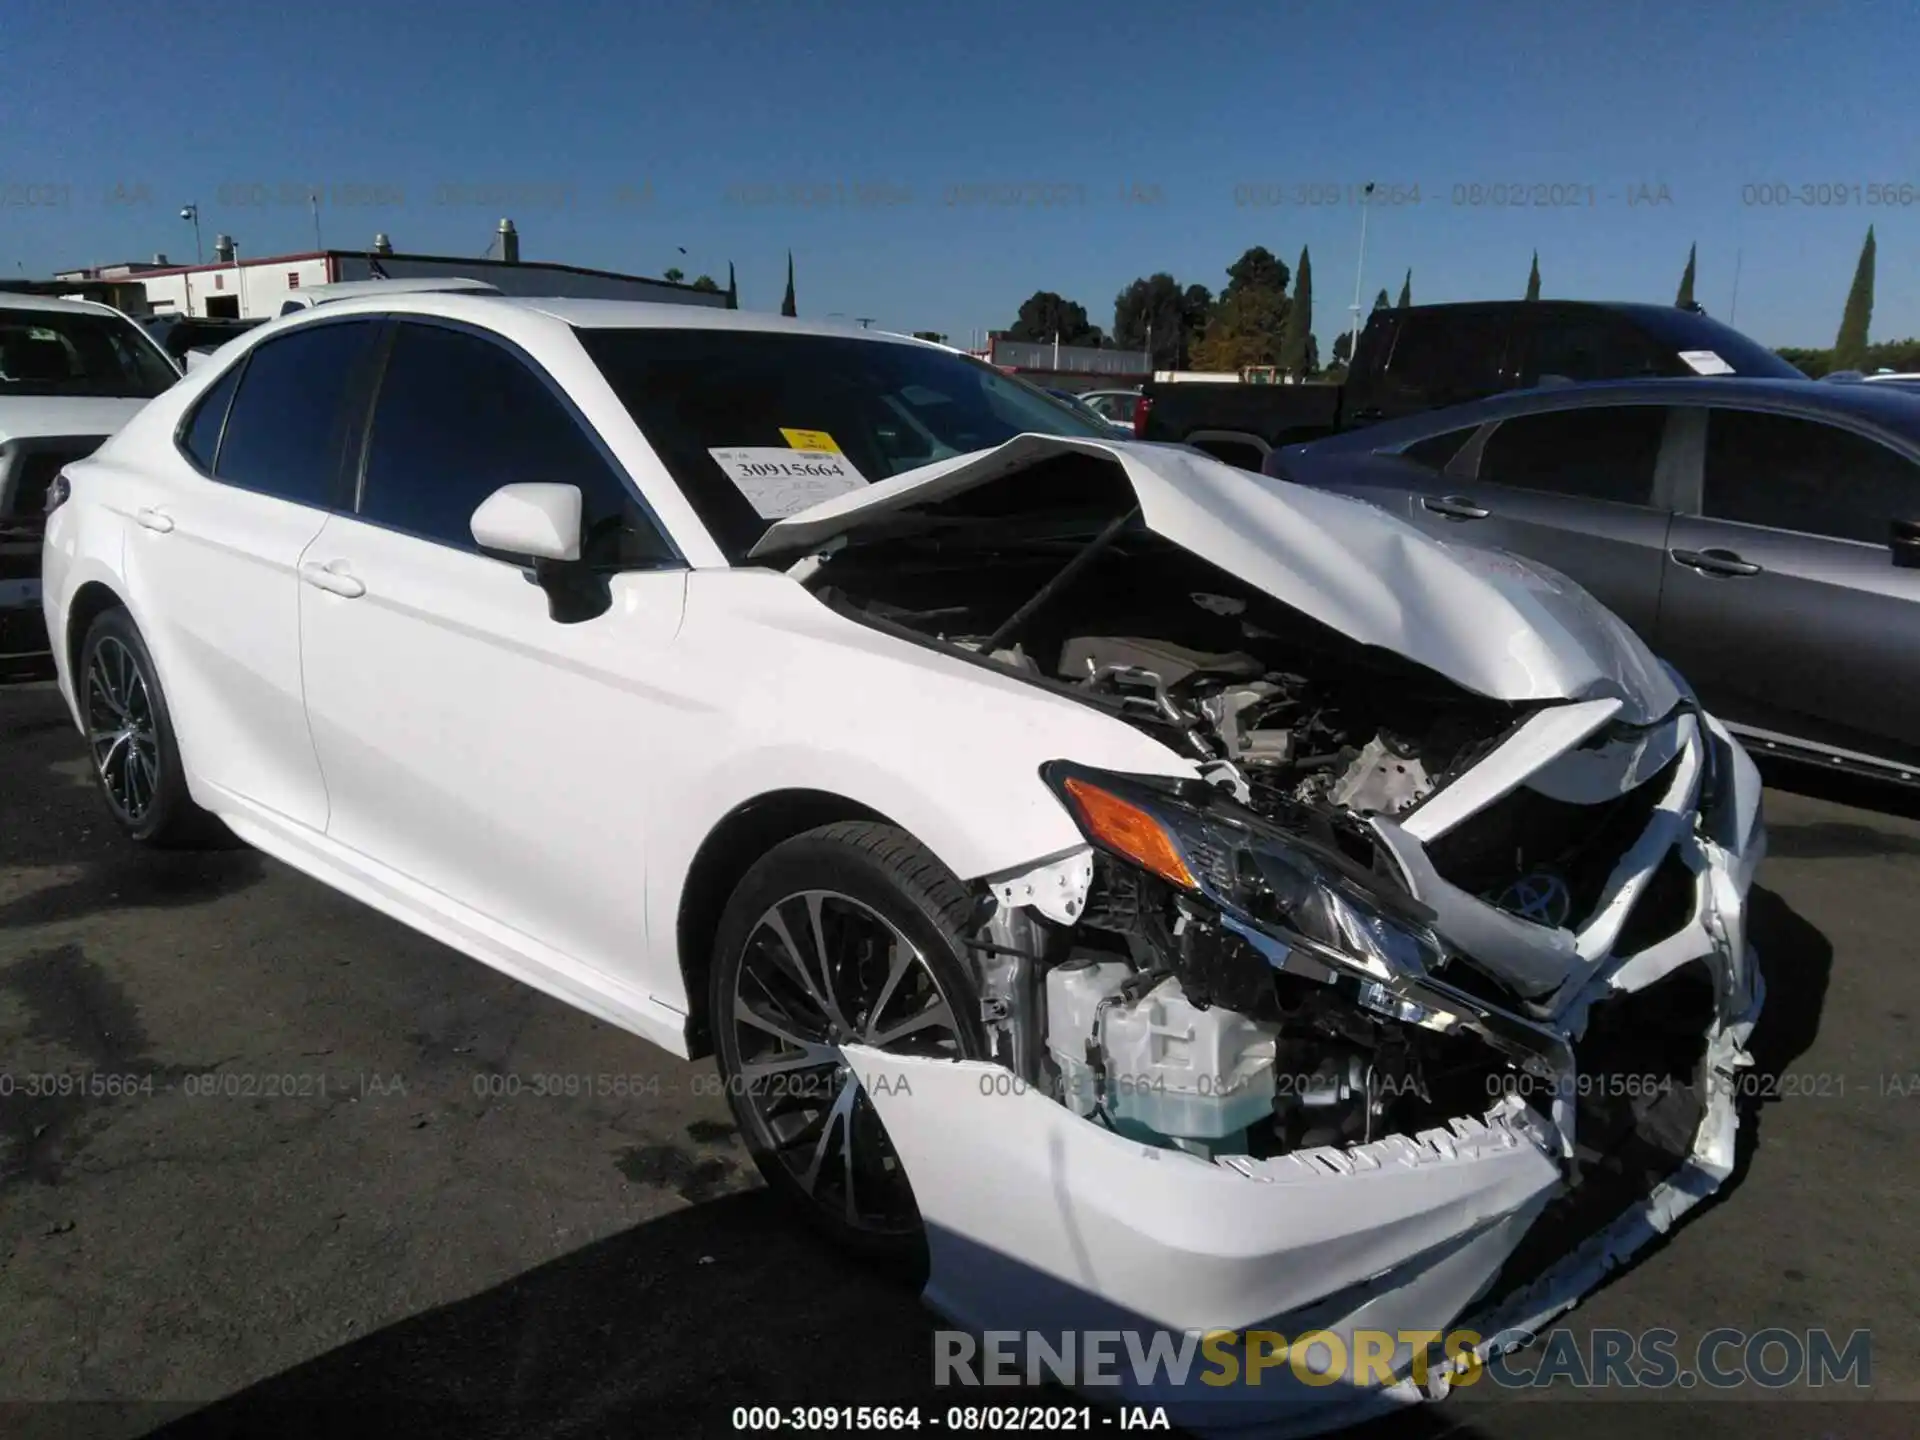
888 919
130 739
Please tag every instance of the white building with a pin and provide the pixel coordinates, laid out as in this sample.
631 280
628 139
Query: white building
241 287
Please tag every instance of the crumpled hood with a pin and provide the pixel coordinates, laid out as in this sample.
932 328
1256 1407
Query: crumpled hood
1486 620
25 417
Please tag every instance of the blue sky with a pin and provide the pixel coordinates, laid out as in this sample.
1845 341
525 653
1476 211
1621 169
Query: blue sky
1150 136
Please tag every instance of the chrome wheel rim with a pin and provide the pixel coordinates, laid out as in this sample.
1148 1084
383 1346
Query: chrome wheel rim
821 970
121 730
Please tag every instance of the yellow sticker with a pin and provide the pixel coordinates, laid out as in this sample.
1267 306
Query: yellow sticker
810 440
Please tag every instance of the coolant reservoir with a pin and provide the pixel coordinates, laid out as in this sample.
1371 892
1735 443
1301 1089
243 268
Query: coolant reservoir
1171 1068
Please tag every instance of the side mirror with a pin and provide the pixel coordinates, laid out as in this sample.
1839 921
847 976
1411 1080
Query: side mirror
1905 544
542 522
538 520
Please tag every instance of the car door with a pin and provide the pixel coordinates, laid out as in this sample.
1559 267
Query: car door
1578 489
1783 603
470 741
221 521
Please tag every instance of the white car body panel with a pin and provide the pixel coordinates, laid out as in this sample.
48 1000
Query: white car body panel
27 417
405 722
1488 622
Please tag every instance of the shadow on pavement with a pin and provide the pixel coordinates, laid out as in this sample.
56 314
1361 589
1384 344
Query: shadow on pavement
661 1330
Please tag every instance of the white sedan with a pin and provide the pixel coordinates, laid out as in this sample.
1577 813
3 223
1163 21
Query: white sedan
1159 896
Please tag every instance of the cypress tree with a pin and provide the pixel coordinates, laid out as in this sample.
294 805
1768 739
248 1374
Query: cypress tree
786 305
1406 290
733 290
1293 350
1685 298
1533 278
1850 348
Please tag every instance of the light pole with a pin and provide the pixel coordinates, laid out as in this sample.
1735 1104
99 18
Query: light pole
192 212
1359 270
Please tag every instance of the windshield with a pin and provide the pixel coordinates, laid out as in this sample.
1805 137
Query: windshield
66 352
754 425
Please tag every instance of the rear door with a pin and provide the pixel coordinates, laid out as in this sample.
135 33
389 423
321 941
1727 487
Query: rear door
1580 490
220 523
1783 604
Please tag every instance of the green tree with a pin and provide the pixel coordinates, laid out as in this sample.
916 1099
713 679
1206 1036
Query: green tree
1850 347
1045 316
1381 302
705 284
1342 351
674 275
1257 269
1533 278
1247 327
1174 316
1406 290
1297 351
787 307
733 290
934 335
1685 298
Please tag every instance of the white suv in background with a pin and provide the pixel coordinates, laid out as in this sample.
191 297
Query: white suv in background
71 373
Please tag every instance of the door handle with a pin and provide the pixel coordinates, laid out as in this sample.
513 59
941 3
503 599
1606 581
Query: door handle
1715 562
154 519
333 579
1456 507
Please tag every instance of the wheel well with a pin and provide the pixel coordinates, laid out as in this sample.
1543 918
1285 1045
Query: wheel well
729 851
90 602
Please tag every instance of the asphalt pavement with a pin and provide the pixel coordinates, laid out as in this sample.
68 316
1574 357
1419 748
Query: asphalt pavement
307 1159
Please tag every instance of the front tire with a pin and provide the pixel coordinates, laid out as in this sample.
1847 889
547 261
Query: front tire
848 934
130 739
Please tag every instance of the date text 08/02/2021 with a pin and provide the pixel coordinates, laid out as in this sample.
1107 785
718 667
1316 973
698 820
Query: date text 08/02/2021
955 1419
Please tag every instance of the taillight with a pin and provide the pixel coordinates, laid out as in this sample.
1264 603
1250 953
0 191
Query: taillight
58 492
1140 418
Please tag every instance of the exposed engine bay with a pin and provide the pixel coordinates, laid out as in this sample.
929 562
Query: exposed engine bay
1166 1011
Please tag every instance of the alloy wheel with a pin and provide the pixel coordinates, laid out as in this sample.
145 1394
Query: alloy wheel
121 730
818 971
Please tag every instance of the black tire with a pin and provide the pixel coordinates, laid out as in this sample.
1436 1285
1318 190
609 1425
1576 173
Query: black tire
865 873
139 774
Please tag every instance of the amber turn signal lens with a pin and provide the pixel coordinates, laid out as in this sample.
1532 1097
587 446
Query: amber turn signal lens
1129 830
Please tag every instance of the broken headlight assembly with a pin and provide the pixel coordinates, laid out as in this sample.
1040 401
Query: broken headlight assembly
1295 972
1294 893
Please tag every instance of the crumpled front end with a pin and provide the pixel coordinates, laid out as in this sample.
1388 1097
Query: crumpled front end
1252 1077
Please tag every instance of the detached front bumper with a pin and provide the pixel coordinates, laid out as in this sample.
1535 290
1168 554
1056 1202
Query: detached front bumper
1044 1224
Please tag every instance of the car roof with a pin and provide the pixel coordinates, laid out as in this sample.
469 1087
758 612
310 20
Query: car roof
595 314
348 289
21 300
1885 407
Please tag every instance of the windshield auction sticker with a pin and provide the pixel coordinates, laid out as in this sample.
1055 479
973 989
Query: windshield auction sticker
1705 362
779 482
810 440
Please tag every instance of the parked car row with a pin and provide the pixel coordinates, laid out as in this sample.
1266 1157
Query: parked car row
1763 536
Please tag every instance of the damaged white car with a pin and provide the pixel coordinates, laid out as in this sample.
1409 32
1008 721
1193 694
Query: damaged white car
1172 898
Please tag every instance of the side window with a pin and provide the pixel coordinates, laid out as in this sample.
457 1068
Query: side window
1591 347
458 417
1795 474
287 430
201 437
1595 453
1440 358
1436 450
